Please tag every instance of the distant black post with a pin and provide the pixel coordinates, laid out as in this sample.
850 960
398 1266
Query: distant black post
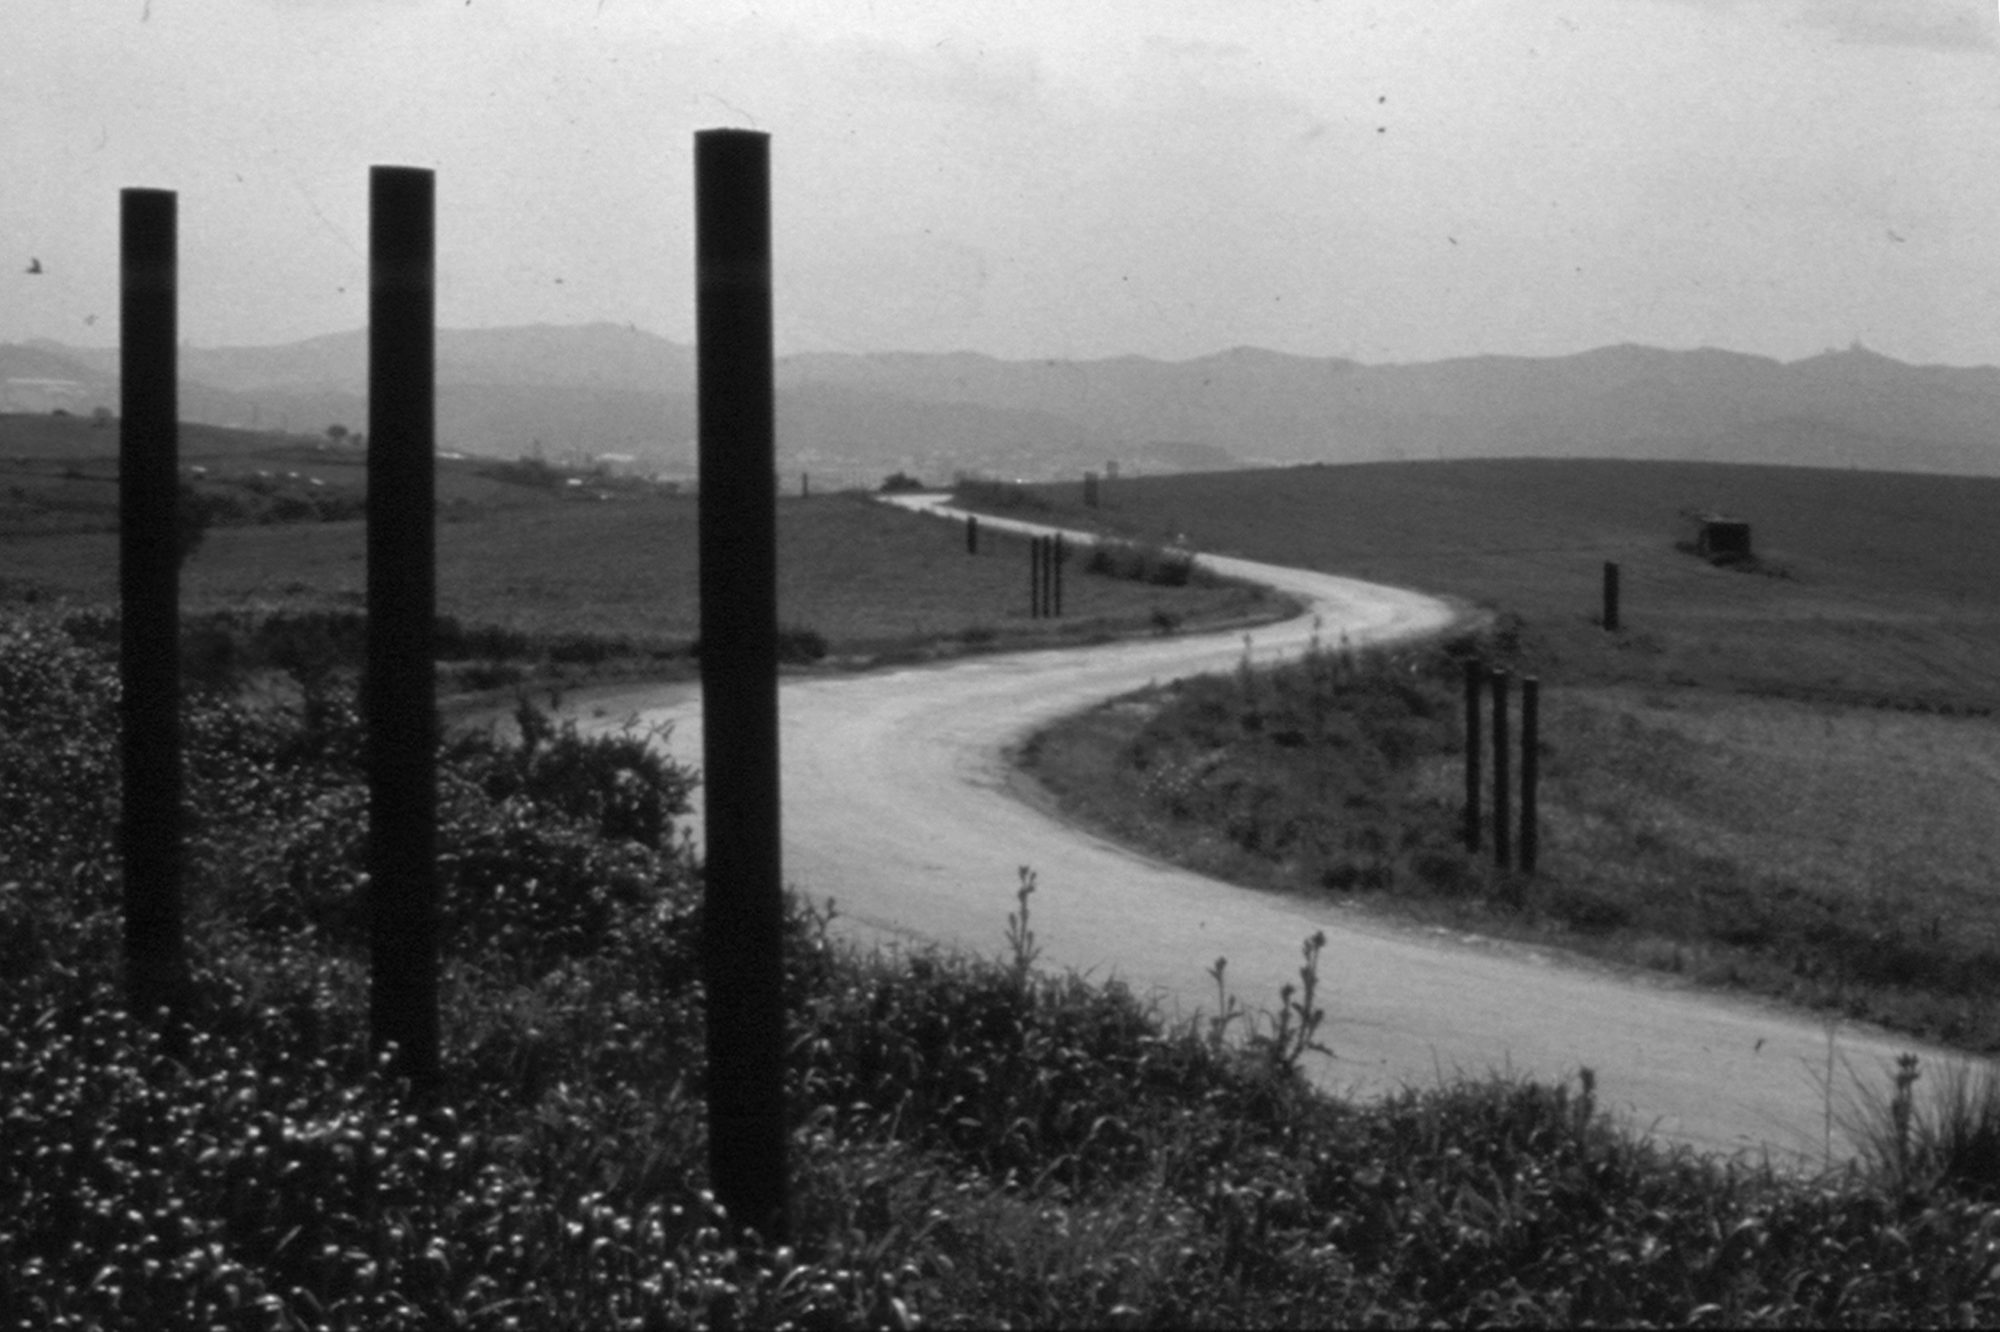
1531 767
1610 597
972 534
399 687
1474 682
805 485
1056 555
1048 575
1034 578
149 602
744 896
1503 830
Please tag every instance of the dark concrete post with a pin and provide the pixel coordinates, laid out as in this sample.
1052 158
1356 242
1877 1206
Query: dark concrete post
1474 683
399 686
972 534
1503 828
149 602
1048 575
1610 597
1531 768
744 896
805 485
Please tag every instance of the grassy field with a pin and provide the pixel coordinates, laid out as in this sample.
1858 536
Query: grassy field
873 581
596 580
1781 778
1879 585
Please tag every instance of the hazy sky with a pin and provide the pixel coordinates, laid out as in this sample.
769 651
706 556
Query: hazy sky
1391 180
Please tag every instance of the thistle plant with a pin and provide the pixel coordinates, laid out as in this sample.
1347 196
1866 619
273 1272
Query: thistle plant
1227 1010
1901 1107
1295 1029
1021 938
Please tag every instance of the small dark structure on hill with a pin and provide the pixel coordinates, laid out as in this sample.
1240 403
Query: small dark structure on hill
1714 536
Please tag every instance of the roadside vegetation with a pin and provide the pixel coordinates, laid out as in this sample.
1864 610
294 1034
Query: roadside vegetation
1146 562
1777 778
975 1142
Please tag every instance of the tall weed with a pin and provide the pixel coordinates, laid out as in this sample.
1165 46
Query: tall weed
1927 1135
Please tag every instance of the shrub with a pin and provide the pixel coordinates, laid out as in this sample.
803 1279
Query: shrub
1143 562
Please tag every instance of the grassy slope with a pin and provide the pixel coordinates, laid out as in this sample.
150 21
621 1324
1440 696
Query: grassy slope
1784 782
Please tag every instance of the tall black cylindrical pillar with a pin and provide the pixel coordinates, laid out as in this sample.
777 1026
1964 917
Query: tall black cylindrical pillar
744 901
398 686
149 553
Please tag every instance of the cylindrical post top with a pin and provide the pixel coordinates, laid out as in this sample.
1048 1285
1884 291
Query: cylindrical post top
402 228
732 225
150 240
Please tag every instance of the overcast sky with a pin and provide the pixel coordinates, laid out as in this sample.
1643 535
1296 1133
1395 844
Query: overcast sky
1390 180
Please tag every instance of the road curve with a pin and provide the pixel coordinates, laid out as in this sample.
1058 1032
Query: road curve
900 804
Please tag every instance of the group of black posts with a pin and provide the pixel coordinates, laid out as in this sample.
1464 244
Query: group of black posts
1507 852
1046 557
743 884
743 881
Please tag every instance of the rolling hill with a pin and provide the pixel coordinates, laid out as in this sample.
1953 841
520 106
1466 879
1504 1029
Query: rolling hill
602 388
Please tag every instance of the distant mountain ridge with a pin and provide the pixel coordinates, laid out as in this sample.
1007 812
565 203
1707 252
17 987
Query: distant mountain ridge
603 388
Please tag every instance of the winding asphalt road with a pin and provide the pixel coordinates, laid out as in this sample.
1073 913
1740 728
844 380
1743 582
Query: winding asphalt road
900 803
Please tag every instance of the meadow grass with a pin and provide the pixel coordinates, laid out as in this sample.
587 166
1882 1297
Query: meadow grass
875 583
1890 586
594 581
1778 780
